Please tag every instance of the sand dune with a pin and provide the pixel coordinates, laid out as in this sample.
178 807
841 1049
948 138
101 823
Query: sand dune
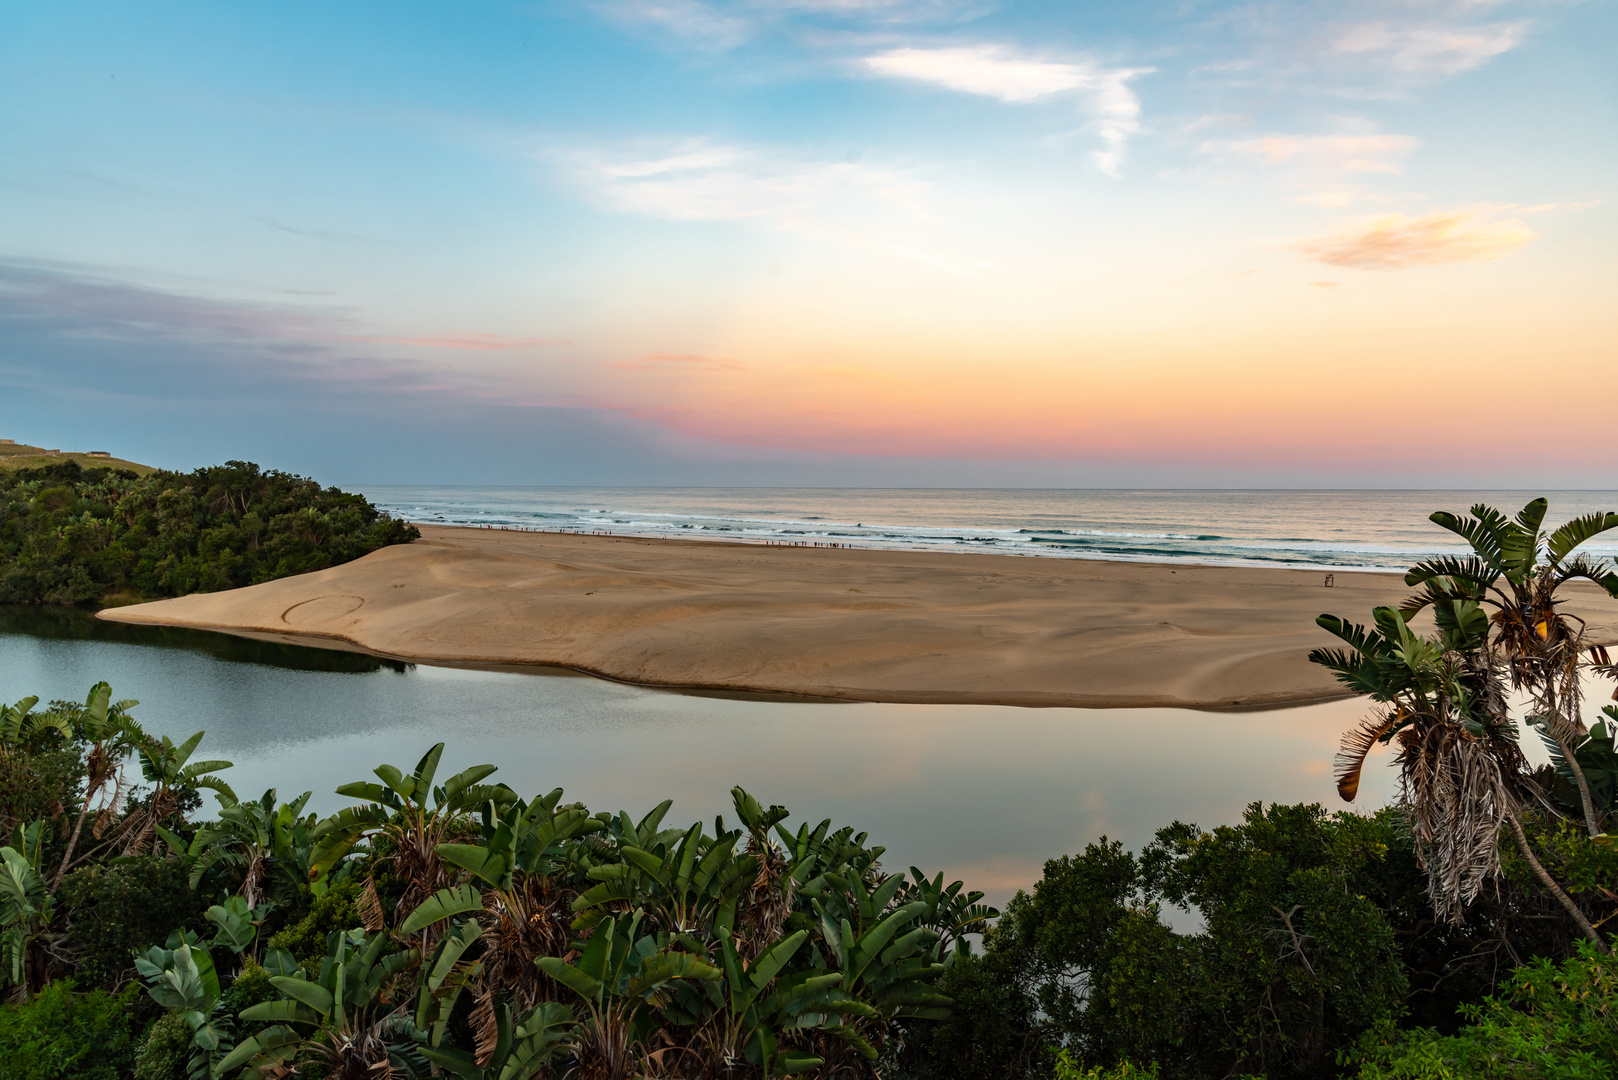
841 623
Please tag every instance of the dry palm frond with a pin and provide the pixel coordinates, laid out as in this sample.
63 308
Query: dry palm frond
520 925
768 902
1356 744
1458 801
369 907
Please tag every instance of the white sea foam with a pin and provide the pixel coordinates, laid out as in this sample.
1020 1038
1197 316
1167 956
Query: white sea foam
1327 530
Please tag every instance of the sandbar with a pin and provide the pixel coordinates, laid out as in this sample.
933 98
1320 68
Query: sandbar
839 623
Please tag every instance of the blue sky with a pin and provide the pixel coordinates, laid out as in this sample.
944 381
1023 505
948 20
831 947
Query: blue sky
825 241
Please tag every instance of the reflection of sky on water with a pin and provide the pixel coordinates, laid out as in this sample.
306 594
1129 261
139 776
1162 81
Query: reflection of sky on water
985 793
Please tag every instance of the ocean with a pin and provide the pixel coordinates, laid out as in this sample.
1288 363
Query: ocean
1333 530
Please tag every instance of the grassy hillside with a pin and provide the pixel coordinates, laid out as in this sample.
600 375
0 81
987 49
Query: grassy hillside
19 456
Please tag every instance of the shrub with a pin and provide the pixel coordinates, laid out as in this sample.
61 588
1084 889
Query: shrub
165 1054
1556 1022
992 1032
124 907
1068 1069
306 939
65 1035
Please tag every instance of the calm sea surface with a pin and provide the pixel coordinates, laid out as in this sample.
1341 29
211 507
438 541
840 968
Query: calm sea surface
1330 529
983 793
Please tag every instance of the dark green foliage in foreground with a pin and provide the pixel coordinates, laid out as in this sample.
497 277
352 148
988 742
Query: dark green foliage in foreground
1551 1021
165 1054
444 910
71 536
1317 936
64 1035
119 908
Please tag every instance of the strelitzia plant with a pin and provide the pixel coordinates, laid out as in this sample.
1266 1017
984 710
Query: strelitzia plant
1460 765
621 977
349 1023
1516 571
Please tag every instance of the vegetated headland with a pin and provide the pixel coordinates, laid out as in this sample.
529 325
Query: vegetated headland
108 535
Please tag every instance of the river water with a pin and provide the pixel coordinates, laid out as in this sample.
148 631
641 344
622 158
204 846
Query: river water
984 793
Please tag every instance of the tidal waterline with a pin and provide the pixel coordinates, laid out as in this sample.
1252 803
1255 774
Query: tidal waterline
983 793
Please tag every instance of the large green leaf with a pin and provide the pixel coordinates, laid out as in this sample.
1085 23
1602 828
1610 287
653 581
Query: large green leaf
1577 531
443 904
586 986
313 995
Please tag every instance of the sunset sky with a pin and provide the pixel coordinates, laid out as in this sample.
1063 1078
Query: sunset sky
1351 243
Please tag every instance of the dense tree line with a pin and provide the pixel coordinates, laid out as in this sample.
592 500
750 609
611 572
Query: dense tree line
70 535
449 926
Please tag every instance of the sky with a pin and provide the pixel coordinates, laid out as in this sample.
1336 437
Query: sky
817 242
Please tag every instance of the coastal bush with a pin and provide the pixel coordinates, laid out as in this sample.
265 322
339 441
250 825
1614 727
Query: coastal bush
1294 944
1294 960
993 1032
165 1052
331 912
64 1035
120 908
70 535
1553 1022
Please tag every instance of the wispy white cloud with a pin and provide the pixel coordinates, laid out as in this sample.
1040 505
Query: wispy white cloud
1397 242
701 182
1004 74
726 24
990 70
1431 48
863 205
691 21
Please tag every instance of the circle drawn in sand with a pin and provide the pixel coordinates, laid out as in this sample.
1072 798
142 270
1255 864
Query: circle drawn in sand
321 609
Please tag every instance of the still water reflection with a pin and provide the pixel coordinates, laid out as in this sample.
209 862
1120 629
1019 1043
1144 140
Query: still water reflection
985 793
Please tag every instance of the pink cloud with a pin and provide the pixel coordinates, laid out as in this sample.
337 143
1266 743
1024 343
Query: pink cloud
679 362
1397 242
470 342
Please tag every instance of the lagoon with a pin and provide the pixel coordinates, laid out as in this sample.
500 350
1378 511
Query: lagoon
983 793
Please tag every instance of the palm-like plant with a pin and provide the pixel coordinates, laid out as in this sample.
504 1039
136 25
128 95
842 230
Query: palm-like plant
24 733
27 938
950 911
181 977
689 883
520 848
768 901
415 817
111 733
1458 752
253 838
349 1023
170 771
523 1045
1516 570
1444 699
622 977
756 1002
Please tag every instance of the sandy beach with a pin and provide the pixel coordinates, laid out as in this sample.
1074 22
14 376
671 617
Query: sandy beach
855 624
